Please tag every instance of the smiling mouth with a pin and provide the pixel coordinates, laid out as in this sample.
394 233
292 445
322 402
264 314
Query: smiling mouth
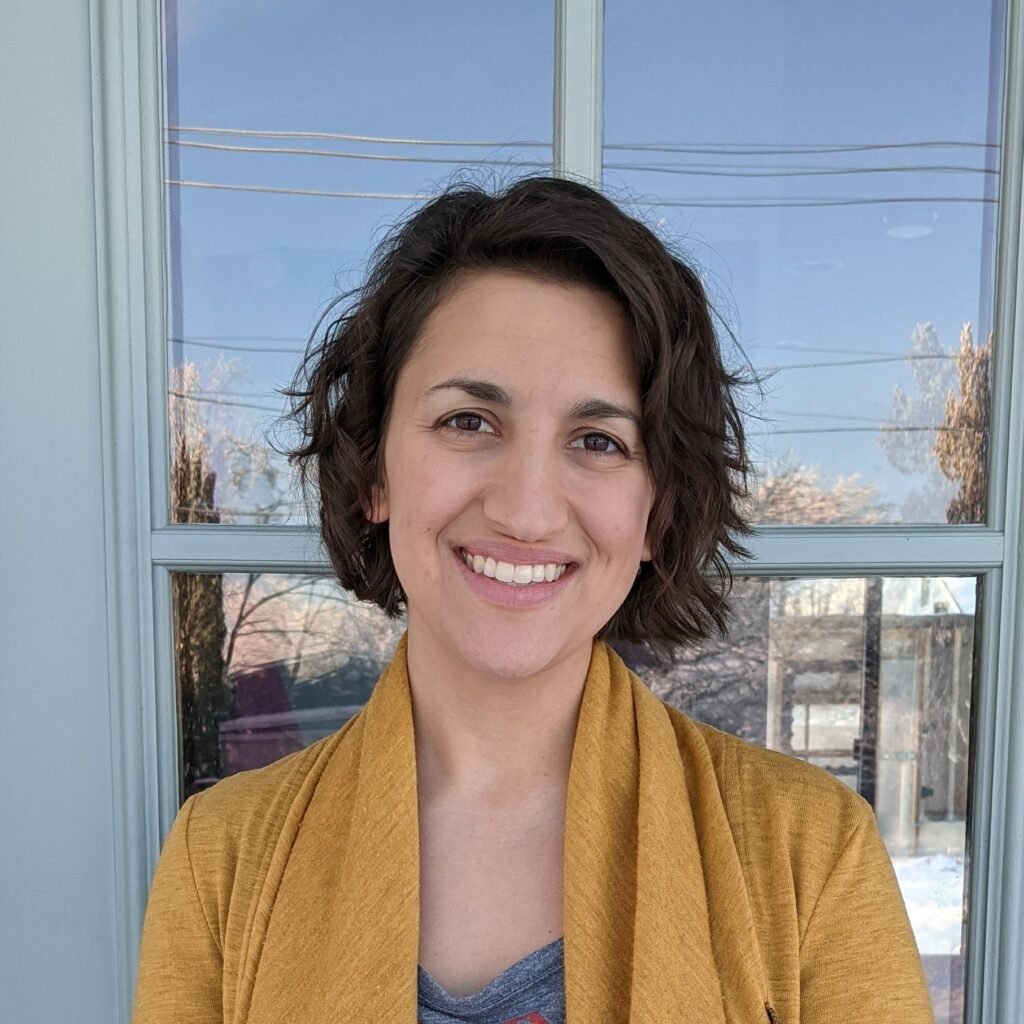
512 574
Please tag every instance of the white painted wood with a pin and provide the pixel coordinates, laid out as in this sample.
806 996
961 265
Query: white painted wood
579 46
820 551
995 981
890 550
59 956
129 246
261 548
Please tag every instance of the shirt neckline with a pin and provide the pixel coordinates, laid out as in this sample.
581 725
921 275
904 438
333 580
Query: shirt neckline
547 958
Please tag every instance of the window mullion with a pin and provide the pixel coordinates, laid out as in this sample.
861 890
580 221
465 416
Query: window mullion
578 88
825 550
239 548
820 551
995 939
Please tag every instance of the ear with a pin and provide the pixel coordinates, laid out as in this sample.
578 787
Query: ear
645 555
377 510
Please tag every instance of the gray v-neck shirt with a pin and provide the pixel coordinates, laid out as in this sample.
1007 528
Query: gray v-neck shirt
531 991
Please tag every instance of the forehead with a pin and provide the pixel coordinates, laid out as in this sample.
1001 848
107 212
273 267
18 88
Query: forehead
509 323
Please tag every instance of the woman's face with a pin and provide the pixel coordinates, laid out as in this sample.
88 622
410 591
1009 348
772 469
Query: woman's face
512 453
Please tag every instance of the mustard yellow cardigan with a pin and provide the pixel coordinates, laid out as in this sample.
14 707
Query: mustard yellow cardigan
705 880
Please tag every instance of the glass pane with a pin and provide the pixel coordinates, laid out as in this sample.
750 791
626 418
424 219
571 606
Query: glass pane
267 664
832 169
871 679
294 137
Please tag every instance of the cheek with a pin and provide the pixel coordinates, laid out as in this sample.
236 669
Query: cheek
616 520
426 492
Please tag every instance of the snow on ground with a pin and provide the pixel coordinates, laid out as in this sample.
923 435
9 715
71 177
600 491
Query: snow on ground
933 890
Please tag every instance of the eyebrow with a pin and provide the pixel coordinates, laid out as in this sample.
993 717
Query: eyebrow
481 390
600 409
585 409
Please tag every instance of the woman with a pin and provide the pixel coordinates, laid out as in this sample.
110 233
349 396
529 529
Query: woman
523 434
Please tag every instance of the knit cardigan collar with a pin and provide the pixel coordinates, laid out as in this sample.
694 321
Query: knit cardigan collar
657 923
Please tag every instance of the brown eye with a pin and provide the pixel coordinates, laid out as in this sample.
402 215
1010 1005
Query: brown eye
468 423
600 444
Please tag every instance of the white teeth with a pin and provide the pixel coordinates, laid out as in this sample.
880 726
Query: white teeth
514 574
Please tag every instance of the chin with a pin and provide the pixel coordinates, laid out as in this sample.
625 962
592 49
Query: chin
514 653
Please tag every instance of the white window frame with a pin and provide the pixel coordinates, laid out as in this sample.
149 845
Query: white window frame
143 547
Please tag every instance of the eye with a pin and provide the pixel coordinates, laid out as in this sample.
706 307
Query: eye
598 444
467 423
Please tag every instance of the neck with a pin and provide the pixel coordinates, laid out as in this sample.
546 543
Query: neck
493 742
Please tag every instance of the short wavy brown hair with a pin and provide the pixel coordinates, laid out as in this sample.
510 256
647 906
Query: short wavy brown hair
556 230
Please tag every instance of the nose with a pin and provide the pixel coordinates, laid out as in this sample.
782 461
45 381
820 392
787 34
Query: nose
526 497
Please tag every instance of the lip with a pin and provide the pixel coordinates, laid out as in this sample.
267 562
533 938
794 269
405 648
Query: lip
516 556
523 597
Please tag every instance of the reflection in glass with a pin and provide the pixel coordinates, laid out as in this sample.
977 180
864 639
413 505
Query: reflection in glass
267 664
293 139
869 678
836 181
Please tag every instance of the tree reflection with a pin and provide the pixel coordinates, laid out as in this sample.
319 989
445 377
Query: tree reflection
962 446
793 493
198 600
940 430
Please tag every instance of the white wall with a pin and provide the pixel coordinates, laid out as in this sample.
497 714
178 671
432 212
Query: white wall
57 926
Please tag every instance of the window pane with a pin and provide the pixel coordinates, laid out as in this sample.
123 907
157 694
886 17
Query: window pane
268 664
294 137
833 171
869 678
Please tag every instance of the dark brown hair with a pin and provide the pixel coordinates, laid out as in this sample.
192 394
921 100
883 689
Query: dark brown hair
563 231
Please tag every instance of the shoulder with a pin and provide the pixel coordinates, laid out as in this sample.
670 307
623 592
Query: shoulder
234 822
236 797
823 896
779 808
